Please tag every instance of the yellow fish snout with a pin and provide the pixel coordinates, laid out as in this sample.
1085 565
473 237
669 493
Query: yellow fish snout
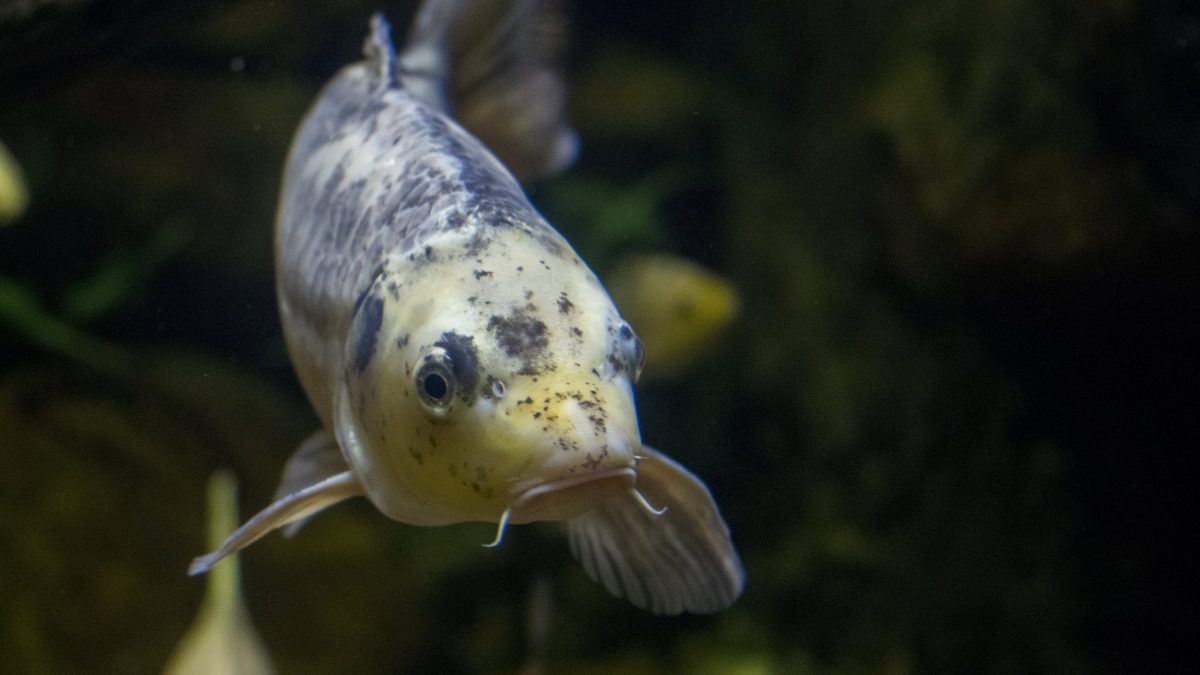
584 449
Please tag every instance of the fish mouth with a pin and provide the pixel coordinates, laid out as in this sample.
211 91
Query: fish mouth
569 497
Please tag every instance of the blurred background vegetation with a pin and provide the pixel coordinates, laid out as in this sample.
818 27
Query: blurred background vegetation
947 429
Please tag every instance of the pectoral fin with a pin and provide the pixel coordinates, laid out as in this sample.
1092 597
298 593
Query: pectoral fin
291 508
317 458
680 561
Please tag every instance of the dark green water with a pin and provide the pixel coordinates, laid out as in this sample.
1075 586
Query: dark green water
948 430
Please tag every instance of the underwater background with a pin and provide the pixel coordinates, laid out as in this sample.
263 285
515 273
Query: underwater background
951 425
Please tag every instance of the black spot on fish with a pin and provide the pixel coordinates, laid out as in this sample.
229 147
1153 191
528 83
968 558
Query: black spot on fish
522 337
478 243
402 341
464 362
615 362
479 274
367 319
564 304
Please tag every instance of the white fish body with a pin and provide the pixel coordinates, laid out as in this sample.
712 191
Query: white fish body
467 365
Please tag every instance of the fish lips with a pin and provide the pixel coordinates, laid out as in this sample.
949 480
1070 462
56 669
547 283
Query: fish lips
568 497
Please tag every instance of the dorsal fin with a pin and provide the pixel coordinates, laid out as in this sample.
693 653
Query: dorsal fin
493 66
381 56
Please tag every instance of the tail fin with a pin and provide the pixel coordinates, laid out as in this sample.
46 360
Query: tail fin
493 66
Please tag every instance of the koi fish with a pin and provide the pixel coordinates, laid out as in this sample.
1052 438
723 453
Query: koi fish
464 361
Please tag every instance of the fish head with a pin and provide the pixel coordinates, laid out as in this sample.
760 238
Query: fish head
492 386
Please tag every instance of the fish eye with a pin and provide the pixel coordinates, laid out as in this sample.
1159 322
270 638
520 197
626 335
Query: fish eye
639 361
435 386
434 381
635 354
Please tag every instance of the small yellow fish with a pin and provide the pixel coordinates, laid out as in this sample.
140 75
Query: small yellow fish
678 307
14 195
466 364
222 639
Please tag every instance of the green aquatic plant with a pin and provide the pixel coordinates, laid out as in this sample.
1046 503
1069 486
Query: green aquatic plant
116 281
604 217
23 312
222 639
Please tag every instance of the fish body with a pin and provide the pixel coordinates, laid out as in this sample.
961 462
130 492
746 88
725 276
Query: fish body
465 362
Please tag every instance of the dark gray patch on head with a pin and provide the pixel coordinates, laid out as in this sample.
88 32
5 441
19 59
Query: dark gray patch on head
625 352
564 304
455 220
368 317
617 362
522 337
464 362
600 427
478 243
